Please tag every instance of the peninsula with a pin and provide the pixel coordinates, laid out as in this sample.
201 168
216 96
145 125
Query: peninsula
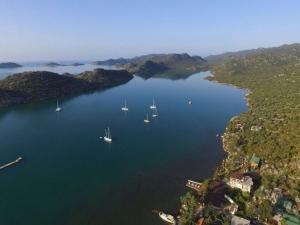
41 85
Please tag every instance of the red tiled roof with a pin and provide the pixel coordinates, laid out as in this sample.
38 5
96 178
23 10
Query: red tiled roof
200 221
237 175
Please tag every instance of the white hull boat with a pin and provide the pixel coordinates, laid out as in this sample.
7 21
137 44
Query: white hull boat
58 109
167 217
146 120
155 113
107 138
153 106
125 108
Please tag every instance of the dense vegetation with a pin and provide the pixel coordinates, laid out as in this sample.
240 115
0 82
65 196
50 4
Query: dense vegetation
34 86
270 128
273 80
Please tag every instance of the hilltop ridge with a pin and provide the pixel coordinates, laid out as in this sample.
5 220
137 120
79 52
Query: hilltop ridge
173 65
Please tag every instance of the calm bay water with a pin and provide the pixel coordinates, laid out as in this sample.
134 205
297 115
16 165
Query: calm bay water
69 176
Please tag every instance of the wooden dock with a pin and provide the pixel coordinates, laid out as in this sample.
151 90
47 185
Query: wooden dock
194 185
11 163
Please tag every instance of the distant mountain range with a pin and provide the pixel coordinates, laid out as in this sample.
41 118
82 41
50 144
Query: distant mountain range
283 50
9 65
159 64
36 86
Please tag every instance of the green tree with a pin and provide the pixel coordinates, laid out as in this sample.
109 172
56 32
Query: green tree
189 203
265 210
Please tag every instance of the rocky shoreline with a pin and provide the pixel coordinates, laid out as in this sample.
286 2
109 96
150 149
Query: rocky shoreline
226 136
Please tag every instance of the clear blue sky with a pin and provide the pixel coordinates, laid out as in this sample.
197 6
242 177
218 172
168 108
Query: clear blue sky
33 30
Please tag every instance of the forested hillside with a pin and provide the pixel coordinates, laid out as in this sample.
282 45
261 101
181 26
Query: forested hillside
271 127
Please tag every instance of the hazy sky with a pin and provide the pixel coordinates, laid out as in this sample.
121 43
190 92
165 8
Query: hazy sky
32 30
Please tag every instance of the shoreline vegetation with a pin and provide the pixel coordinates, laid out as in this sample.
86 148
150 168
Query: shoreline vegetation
262 144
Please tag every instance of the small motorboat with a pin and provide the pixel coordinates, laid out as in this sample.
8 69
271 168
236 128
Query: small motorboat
167 217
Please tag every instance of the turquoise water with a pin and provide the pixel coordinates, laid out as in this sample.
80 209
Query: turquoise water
69 176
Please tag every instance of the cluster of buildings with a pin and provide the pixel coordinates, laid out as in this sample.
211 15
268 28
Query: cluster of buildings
245 180
283 207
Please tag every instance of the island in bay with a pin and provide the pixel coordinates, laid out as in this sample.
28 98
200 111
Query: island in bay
8 65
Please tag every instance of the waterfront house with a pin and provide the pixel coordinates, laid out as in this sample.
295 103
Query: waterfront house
236 220
238 180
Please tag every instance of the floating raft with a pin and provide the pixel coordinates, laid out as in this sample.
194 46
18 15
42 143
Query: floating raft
11 163
194 185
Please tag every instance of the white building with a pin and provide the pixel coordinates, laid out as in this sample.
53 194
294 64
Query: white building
238 180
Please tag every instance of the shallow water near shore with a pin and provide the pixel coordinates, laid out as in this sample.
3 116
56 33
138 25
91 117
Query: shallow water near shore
69 176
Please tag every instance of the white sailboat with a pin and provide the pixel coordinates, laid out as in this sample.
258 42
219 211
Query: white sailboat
154 113
107 136
167 217
153 106
125 108
58 109
190 102
146 120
